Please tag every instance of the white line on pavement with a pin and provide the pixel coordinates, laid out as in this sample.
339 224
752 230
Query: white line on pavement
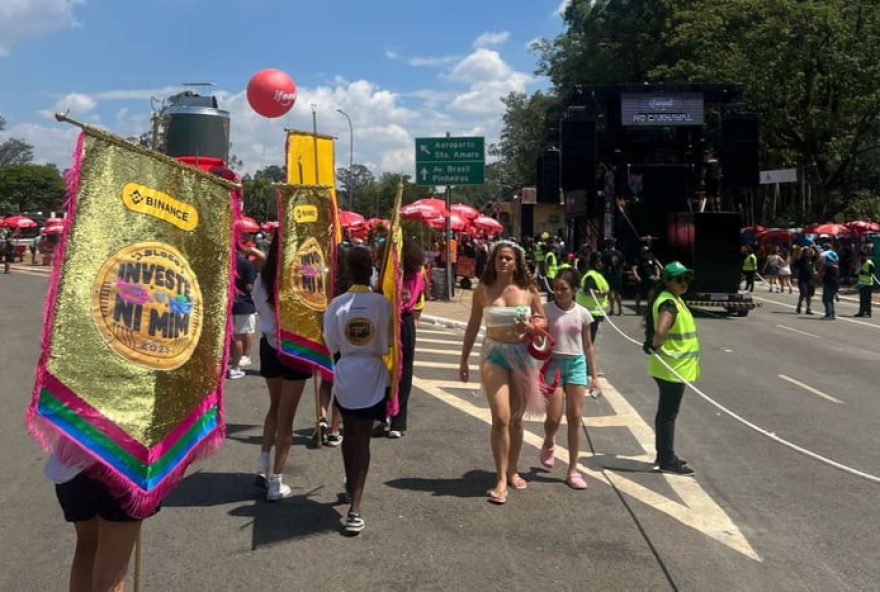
810 389
445 365
441 341
443 352
793 330
839 318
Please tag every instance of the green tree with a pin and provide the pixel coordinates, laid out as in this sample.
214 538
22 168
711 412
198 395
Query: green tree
358 179
524 135
28 187
259 193
14 150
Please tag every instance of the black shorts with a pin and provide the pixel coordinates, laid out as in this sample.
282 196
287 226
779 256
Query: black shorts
272 367
84 497
376 412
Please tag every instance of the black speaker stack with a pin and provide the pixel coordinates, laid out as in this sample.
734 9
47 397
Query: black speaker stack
739 150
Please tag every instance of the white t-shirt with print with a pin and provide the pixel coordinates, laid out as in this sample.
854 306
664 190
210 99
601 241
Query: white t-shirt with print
567 326
357 325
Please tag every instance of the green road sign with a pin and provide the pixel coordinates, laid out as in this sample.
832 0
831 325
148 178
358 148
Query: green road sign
450 161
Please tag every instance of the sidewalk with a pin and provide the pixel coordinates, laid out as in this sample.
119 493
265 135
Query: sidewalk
453 313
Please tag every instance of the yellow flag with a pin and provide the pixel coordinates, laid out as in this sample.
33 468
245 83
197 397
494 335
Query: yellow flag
311 160
390 281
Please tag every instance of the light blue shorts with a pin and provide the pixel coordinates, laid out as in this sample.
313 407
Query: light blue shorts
572 370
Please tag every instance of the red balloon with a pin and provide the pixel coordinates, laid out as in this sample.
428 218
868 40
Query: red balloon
271 93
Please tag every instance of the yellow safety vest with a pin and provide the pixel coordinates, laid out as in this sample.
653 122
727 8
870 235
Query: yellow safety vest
596 305
539 252
751 262
552 268
866 273
681 350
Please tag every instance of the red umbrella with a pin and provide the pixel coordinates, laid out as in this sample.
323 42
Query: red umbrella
465 211
53 229
423 209
247 225
775 235
863 226
828 228
488 224
456 223
373 222
756 229
351 219
19 222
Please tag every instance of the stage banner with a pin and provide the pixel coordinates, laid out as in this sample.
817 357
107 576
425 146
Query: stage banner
129 385
390 280
311 160
305 280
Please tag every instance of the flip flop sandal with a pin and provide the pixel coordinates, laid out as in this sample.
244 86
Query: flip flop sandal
517 482
496 498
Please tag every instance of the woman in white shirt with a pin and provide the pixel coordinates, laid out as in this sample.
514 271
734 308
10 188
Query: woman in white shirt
285 384
357 325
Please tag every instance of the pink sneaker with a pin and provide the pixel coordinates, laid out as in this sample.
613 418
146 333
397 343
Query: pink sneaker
575 481
547 458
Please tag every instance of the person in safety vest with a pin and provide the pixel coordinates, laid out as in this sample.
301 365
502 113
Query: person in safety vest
551 264
593 293
671 338
866 282
540 255
750 266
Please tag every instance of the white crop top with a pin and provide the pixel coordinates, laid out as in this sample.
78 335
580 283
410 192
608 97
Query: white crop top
506 316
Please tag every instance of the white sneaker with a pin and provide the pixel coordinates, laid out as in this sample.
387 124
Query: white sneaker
277 489
235 374
245 361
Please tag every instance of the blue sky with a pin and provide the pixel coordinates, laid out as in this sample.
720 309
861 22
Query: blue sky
400 69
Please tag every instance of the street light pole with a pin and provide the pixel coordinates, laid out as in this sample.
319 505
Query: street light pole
350 160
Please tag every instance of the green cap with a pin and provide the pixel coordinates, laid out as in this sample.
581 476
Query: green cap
675 269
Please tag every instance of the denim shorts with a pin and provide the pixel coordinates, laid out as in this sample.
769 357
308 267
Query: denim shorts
572 369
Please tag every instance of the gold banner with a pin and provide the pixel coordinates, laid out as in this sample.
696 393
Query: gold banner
141 303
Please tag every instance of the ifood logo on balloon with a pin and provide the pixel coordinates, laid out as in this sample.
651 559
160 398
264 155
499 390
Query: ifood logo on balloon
285 98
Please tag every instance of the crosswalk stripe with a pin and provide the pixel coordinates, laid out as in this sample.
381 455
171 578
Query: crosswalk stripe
447 365
442 352
440 341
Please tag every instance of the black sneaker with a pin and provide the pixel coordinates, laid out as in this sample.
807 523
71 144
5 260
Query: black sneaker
678 468
333 440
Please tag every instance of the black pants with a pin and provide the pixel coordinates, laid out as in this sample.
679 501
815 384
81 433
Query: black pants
664 422
750 280
865 300
594 328
408 354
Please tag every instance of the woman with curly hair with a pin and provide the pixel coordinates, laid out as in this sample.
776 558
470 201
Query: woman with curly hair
508 297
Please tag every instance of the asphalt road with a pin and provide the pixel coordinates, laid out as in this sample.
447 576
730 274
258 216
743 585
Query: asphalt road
758 516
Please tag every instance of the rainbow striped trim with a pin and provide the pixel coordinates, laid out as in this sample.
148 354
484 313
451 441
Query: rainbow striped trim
146 468
300 351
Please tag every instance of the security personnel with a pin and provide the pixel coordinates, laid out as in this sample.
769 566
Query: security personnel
671 334
593 294
866 283
551 264
540 256
750 266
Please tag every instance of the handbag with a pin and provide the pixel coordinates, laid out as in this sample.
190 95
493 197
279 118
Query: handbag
541 348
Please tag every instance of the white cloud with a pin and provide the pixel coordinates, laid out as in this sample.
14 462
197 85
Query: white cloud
463 101
391 55
434 61
20 19
76 104
491 38
563 5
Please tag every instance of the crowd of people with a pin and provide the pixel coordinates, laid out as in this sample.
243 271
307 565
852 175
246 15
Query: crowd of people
827 265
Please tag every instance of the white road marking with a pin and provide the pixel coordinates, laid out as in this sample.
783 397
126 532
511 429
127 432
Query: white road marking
446 365
810 389
421 331
457 342
443 352
793 330
839 318
698 510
